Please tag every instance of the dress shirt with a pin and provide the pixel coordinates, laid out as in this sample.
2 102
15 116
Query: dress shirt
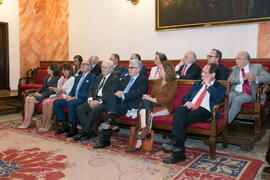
100 91
238 87
134 79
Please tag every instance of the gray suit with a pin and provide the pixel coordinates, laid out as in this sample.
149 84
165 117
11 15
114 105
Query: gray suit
236 99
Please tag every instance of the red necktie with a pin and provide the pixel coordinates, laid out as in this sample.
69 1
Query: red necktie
183 71
199 100
245 85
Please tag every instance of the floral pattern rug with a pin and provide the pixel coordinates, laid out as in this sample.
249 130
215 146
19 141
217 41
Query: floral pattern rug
28 154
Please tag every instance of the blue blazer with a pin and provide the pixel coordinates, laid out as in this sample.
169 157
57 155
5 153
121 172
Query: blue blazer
217 93
86 85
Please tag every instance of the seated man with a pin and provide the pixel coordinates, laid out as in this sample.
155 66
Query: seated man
76 97
244 81
118 70
187 69
93 60
197 107
214 56
134 56
89 112
128 96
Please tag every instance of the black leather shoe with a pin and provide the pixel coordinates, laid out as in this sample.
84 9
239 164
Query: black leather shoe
78 137
62 131
102 143
71 133
175 158
88 137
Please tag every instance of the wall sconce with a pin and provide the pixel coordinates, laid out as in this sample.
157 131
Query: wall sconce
1 1
132 1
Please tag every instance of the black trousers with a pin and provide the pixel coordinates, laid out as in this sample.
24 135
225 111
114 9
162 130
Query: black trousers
184 117
88 116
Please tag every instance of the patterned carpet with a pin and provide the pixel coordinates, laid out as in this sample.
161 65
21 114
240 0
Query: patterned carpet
27 154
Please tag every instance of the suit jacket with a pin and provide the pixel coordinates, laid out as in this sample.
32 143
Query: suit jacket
86 85
96 70
217 93
223 72
134 95
44 91
254 69
118 70
110 86
193 72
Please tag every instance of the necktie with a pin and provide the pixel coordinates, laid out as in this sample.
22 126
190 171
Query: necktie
199 100
79 85
100 86
129 85
183 71
157 72
245 85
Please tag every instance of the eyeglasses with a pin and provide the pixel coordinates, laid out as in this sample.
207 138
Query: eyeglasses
239 58
104 67
132 67
203 72
209 56
85 64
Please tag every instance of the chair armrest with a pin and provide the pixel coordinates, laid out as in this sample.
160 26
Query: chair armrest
259 91
215 111
21 80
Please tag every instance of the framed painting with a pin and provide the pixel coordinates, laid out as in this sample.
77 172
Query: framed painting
178 14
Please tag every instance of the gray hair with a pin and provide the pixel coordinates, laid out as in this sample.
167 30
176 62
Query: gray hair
245 55
194 56
95 58
137 63
109 63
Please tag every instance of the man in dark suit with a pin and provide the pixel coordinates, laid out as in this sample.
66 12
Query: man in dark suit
187 69
118 70
197 107
93 60
128 96
105 85
134 56
77 96
214 56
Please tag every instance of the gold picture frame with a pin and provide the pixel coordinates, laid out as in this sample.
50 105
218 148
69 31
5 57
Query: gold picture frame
183 14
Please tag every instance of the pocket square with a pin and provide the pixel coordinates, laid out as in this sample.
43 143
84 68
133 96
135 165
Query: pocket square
87 81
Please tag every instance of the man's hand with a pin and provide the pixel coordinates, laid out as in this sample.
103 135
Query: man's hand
93 104
206 81
250 77
181 62
119 94
190 105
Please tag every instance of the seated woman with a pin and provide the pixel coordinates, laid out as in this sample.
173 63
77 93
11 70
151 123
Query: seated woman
77 62
64 86
158 103
43 93
159 58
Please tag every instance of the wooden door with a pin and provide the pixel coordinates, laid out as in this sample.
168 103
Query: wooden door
4 61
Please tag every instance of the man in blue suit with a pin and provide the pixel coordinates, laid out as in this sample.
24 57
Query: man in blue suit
77 96
197 107
214 56
128 96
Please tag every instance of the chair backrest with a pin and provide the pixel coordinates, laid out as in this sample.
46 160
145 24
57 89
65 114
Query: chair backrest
41 74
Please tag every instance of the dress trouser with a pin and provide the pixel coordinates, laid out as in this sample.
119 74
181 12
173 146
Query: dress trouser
117 106
88 116
184 117
236 99
59 104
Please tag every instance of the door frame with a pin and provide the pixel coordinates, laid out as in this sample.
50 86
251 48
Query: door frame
4 25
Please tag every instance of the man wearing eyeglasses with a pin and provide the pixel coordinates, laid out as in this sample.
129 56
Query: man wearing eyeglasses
244 80
197 107
88 113
214 56
127 97
76 97
187 69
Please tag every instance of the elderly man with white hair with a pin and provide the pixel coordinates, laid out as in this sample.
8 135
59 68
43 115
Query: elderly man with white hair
93 60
